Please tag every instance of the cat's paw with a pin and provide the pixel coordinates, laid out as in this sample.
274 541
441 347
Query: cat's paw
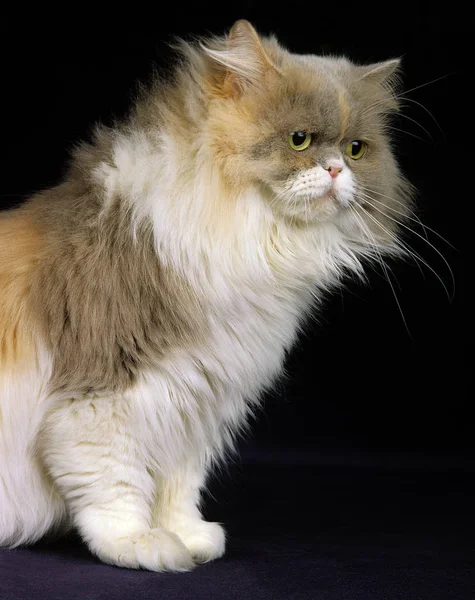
151 549
205 541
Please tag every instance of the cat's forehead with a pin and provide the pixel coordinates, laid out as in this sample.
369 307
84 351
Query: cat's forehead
310 95
320 92
318 77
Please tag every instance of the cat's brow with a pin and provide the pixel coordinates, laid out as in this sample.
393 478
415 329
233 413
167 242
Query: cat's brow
344 112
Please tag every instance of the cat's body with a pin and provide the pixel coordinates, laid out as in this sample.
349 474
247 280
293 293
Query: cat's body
148 301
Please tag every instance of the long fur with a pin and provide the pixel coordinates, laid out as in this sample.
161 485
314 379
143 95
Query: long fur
167 282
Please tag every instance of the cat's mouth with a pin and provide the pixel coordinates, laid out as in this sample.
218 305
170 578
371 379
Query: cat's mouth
339 197
314 201
317 189
319 196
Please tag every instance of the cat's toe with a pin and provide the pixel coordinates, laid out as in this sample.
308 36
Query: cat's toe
153 549
205 541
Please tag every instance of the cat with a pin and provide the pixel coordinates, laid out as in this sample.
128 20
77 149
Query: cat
149 299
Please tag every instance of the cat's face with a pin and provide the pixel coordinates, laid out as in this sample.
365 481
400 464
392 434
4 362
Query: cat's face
310 131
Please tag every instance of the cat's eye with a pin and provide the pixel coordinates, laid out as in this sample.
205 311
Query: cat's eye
356 149
299 140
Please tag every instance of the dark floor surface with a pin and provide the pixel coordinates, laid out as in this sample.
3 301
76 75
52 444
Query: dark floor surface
295 531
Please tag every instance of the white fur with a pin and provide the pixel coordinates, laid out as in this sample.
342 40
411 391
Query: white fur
316 185
130 466
29 504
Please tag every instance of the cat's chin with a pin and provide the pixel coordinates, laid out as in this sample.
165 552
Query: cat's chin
316 212
312 208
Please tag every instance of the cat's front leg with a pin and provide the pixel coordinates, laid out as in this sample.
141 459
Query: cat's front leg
94 448
177 509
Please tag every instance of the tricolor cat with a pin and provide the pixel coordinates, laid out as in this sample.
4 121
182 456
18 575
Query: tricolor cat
148 300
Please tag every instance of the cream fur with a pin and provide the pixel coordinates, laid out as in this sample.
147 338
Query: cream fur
29 504
124 448
127 467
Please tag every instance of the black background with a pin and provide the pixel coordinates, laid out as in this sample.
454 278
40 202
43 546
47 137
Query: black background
360 383
357 480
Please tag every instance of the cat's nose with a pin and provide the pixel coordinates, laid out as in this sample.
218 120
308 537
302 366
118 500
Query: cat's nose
334 168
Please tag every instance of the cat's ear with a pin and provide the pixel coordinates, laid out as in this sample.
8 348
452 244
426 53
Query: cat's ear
243 60
385 73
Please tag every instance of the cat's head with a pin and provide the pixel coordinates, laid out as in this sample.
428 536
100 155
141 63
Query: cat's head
310 131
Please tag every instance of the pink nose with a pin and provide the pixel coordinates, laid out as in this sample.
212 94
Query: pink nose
334 169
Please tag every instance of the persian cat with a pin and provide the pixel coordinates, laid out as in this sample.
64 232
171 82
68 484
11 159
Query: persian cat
148 300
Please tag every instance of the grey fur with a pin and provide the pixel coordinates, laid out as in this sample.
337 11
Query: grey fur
106 307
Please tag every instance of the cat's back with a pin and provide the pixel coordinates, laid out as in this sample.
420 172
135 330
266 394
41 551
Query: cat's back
21 248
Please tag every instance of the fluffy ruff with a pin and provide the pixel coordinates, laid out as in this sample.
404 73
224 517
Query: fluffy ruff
149 300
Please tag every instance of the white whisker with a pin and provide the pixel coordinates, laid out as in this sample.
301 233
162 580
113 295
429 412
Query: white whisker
381 262
414 218
432 246
418 87
418 137
410 251
428 112
417 123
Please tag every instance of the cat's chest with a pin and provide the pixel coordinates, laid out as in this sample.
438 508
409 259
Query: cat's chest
252 312
250 329
209 388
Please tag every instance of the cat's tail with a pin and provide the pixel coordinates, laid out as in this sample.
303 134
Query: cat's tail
29 504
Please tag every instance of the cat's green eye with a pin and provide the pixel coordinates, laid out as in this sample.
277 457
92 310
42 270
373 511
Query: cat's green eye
356 149
299 140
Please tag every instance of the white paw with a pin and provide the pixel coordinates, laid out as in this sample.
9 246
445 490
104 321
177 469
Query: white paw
205 541
151 549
